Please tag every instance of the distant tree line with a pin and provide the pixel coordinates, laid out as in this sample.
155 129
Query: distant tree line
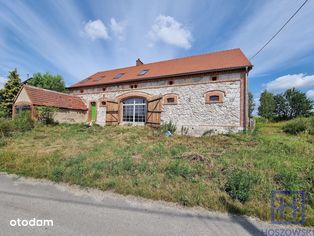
14 84
288 105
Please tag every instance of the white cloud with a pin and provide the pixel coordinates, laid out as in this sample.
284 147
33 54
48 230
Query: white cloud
2 81
118 28
310 93
166 29
288 81
96 30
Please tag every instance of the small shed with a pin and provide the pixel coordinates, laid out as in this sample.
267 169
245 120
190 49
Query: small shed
70 108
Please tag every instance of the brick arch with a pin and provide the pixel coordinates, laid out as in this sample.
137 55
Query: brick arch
132 94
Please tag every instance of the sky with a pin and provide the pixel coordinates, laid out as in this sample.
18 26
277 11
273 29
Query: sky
78 38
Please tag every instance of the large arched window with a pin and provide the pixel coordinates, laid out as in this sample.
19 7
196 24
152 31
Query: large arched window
134 110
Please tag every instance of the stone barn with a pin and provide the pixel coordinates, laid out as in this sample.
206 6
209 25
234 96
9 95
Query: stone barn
202 93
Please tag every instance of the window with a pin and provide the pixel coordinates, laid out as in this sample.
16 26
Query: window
214 96
133 86
142 72
82 91
170 99
20 108
118 76
134 110
103 103
214 78
98 78
104 89
170 82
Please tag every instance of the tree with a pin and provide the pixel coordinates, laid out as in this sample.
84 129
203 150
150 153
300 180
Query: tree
282 107
267 105
298 103
48 81
9 92
251 104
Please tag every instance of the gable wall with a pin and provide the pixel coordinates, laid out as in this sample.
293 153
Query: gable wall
23 98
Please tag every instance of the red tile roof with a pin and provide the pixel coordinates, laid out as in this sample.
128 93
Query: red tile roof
223 60
44 97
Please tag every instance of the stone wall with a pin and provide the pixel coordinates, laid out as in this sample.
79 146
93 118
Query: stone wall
70 116
191 111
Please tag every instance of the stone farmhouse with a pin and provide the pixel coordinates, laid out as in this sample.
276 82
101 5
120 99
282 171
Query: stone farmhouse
202 93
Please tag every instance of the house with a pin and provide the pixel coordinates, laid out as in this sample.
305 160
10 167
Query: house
200 93
71 109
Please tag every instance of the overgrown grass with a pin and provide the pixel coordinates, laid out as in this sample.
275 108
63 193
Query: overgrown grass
234 173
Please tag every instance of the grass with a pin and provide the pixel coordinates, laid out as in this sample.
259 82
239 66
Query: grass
233 173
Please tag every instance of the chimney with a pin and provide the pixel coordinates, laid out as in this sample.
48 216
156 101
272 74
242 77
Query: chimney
139 62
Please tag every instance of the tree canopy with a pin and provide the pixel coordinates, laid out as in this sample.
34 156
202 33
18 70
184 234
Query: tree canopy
9 92
288 105
267 105
48 81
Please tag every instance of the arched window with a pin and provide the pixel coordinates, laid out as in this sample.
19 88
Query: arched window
214 96
134 110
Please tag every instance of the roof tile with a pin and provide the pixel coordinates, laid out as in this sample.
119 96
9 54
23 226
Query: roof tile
222 60
44 97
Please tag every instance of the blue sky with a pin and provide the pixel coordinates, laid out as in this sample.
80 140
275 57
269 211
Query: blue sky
78 38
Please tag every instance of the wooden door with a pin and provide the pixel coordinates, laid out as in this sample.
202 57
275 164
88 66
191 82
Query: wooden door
154 111
112 112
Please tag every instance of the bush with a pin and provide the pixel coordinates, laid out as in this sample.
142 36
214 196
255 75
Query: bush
239 184
46 114
6 127
23 121
299 125
168 126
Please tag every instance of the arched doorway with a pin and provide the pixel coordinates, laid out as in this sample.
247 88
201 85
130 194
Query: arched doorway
134 110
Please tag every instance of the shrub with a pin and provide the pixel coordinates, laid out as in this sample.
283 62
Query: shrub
239 184
299 125
168 126
23 121
6 127
46 115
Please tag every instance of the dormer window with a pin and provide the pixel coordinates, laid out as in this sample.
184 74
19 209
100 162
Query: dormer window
98 78
118 76
142 72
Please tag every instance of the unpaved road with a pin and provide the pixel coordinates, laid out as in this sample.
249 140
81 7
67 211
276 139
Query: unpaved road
92 212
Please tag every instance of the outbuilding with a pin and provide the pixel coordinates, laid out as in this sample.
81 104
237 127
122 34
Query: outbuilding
69 108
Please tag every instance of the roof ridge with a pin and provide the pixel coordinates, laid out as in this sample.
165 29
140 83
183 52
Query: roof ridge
48 90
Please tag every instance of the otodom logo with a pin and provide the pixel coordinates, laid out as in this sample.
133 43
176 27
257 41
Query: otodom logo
32 223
